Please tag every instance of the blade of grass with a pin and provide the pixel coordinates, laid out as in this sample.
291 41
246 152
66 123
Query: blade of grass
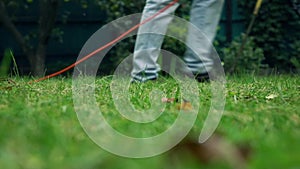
15 66
5 63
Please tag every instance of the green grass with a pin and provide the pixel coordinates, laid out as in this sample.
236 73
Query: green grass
39 127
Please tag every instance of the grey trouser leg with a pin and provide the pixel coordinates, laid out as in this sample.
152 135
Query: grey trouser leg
147 46
205 15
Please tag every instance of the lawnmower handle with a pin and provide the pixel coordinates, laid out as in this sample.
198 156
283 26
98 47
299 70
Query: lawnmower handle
257 7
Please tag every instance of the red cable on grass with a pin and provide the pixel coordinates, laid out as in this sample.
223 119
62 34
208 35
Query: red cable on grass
108 44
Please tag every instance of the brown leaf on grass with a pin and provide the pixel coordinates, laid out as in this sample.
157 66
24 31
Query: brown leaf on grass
295 119
168 100
183 105
6 84
217 148
6 88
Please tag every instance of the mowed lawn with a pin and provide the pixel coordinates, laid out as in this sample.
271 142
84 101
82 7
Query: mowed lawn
39 127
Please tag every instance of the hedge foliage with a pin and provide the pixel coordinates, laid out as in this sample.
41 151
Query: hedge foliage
276 31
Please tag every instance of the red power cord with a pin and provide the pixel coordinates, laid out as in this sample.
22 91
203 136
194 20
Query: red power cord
108 44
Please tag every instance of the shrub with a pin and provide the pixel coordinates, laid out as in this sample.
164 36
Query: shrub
249 60
276 31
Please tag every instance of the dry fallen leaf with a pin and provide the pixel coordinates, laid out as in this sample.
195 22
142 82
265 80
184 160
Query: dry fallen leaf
7 84
217 148
167 100
185 105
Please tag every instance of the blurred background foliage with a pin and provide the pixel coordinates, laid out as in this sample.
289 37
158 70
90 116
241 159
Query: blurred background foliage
250 60
273 44
276 31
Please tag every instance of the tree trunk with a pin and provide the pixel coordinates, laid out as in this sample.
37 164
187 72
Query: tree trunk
38 62
48 12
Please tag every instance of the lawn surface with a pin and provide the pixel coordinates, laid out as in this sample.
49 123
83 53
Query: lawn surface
39 127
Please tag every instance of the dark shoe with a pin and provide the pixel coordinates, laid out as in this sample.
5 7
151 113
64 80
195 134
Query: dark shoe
134 80
202 77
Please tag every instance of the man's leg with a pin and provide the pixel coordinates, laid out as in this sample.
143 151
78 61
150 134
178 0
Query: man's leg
149 40
205 15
